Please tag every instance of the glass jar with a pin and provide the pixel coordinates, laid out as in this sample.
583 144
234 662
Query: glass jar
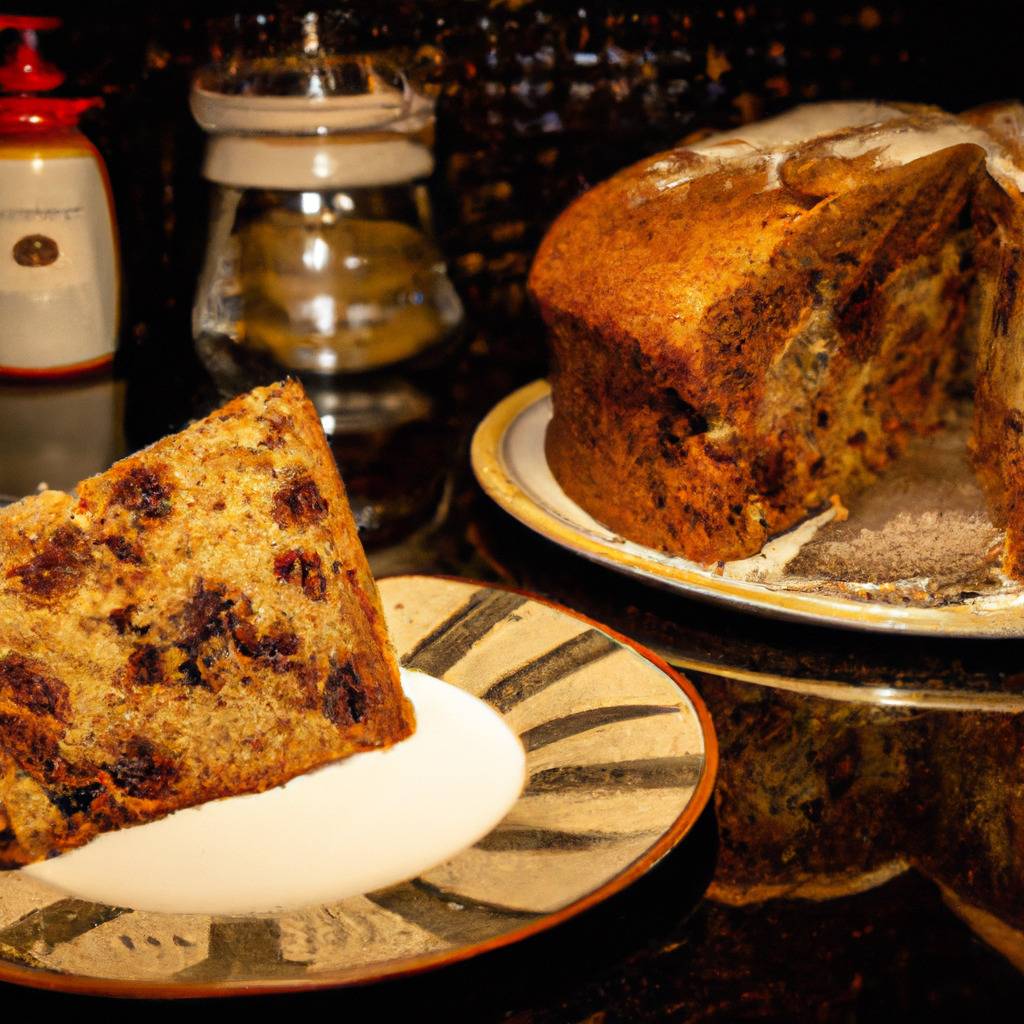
320 256
321 260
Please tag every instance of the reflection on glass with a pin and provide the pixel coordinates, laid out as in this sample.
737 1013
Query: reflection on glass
317 284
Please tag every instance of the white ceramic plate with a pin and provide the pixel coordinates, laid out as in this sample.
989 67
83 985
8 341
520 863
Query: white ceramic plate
324 836
508 459
553 764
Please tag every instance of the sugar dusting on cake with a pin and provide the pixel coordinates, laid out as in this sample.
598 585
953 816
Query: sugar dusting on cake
767 142
920 535
859 128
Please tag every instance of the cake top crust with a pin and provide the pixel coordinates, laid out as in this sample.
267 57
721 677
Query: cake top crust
896 133
705 259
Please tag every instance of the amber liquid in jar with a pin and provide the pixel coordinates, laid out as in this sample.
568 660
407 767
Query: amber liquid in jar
321 282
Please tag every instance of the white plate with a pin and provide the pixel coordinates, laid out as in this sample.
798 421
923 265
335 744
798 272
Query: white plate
324 836
509 461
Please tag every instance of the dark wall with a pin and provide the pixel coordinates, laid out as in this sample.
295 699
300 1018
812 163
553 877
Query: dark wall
536 100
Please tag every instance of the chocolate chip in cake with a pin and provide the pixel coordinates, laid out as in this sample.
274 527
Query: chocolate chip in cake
75 800
27 683
145 666
121 620
122 549
59 566
304 569
142 491
142 771
344 696
299 503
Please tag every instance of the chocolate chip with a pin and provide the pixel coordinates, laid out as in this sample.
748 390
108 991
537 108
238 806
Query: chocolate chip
121 620
190 674
145 666
60 565
122 549
33 744
142 491
204 615
142 771
272 647
28 684
344 697
76 800
299 503
304 569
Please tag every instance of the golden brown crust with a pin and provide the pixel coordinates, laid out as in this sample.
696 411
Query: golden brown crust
736 341
200 622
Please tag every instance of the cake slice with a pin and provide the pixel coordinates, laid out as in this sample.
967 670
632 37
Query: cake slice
199 622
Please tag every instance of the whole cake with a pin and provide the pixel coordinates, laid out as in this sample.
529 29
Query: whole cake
745 327
198 622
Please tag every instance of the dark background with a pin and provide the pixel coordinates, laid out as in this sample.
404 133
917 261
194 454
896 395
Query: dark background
536 100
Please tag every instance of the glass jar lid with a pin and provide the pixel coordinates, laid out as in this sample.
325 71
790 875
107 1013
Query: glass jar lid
281 86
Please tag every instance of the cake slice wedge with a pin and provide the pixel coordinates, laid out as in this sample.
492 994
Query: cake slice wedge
200 621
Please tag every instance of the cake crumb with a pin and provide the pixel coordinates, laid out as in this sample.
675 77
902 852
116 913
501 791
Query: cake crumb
922 529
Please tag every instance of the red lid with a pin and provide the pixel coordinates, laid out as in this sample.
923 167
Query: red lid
26 72
28 22
40 113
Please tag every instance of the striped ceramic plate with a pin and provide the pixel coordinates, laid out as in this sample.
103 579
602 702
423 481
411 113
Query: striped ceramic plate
620 758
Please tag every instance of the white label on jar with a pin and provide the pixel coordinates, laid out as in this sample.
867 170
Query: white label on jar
58 271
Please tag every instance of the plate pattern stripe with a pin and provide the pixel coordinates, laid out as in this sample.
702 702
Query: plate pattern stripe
449 915
583 721
549 669
57 923
653 773
450 642
243 948
506 838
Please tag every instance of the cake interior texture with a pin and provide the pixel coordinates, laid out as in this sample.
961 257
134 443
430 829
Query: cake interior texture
197 622
746 326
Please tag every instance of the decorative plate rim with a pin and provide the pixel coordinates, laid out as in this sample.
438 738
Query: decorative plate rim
499 483
55 981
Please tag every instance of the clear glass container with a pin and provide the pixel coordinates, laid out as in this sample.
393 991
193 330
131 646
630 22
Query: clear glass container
320 256
321 260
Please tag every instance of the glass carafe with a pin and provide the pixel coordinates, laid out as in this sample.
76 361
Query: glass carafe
320 256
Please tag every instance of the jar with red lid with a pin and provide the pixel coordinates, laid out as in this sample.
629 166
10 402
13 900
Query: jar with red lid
59 275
